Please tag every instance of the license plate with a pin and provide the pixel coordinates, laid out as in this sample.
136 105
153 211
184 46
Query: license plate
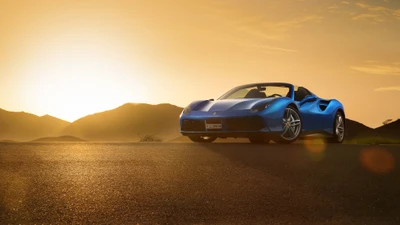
214 126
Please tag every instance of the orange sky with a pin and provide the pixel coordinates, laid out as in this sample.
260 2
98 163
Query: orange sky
70 58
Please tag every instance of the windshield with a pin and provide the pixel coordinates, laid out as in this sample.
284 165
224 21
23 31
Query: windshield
257 91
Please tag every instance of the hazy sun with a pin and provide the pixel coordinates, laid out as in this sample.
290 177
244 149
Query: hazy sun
77 78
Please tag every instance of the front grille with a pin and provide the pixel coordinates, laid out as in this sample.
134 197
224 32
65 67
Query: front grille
193 125
245 123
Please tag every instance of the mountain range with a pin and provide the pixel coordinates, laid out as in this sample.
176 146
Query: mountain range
129 121
23 126
125 123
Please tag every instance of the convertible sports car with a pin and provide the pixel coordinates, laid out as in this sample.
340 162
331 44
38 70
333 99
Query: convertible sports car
281 112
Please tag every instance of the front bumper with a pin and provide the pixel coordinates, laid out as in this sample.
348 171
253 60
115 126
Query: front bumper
239 125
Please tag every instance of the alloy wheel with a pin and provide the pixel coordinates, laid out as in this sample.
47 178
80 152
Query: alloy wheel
339 129
291 123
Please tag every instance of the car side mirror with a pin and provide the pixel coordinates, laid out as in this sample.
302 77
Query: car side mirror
309 98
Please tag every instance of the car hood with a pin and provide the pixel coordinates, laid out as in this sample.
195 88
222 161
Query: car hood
229 104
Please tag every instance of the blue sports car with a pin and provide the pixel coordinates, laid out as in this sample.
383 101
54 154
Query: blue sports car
262 112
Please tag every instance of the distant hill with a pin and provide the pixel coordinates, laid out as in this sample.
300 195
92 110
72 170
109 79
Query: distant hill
354 129
21 126
127 121
390 130
59 139
393 126
389 133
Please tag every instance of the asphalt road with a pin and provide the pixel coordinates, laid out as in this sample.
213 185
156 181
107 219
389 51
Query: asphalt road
181 183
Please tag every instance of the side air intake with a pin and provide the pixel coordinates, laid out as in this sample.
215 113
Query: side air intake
323 104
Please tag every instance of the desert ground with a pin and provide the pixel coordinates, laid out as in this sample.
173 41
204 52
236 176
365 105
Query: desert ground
188 183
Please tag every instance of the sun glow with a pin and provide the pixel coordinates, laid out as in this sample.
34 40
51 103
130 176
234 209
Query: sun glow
81 77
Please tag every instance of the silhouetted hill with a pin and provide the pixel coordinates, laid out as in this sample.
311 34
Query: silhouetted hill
389 133
390 130
59 139
354 129
23 126
127 121
393 126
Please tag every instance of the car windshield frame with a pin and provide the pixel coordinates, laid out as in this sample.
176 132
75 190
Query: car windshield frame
262 85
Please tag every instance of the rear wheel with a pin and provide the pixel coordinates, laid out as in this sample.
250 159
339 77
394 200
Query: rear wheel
202 139
338 129
291 126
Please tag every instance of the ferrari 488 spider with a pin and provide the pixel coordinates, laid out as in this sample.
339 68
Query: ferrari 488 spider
281 112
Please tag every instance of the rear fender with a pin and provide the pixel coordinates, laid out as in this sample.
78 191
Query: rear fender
320 116
331 108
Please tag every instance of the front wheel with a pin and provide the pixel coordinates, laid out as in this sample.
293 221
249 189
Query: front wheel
291 126
202 139
338 129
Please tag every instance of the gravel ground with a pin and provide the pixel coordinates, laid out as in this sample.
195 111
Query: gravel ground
188 183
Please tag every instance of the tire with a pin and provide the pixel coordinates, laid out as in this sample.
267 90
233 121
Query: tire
259 140
338 129
202 139
292 125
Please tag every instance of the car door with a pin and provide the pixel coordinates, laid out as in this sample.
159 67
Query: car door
308 115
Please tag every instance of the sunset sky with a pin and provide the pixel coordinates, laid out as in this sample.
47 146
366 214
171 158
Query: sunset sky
70 58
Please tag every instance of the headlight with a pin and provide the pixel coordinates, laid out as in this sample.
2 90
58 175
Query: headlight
261 107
